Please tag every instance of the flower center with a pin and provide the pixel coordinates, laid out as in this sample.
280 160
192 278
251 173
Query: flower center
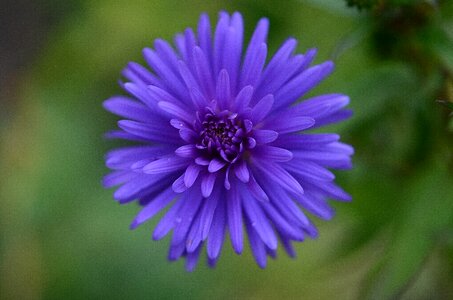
222 134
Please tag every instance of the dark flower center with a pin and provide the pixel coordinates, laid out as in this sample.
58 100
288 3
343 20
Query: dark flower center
222 134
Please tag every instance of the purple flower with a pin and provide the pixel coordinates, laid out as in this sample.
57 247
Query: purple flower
224 143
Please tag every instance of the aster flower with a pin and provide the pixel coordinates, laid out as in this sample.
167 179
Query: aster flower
224 142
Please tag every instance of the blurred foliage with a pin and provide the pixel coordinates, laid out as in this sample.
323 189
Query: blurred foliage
62 235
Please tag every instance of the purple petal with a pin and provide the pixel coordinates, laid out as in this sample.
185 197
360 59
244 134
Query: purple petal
301 84
219 41
176 111
204 73
207 214
118 177
192 259
167 164
307 141
141 186
263 136
168 221
186 216
172 81
262 108
217 232
233 48
308 169
215 165
243 98
256 190
328 159
281 224
255 54
279 175
191 174
127 108
316 206
241 171
251 71
139 74
154 207
276 154
223 89
188 151
207 184
257 245
151 132
235 220
258 220
188 135
178 185
293 124
167 54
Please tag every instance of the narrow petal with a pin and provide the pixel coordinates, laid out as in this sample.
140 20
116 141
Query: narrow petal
309 169
118 177
168 221
176 111
204 37
276 154
293 125
256 190
178 185
138 74
188 135
219 41
235 220
127 108
223 89
141 186
215 165
192 259
307 141
241 171
316 206
207 214
217 233
243 98
204 73
282 225
191 174
279 175
186 216
190 81
259 221
298 86
207 184
255 53
251 71
327 159
278 59
167 54
151 132
263 136
172 81
256 245
167 164
154 207
188 151
262 108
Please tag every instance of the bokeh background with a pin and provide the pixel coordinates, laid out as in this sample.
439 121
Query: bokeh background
62 236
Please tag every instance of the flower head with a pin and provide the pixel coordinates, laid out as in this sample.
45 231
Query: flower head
224 144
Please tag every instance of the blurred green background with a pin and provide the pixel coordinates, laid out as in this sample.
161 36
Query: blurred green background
63 236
